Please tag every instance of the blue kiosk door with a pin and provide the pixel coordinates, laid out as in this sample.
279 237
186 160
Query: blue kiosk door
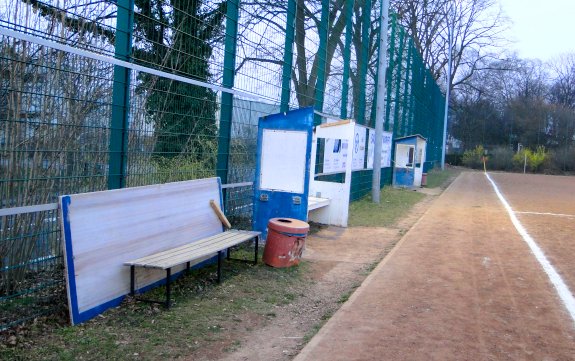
282 168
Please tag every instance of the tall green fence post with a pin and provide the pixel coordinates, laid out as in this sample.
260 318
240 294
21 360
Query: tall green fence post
415 75
288 56
225 128
388 126
372 116
366 22
406 89
322 54
119 125
399 68
346 57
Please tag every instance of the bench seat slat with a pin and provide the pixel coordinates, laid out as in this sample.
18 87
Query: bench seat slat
203 247
186 247
184 255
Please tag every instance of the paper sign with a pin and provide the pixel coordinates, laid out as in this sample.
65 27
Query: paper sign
358 159
385 149
335 155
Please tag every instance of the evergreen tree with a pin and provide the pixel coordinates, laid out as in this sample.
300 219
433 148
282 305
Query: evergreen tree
178 39
175 36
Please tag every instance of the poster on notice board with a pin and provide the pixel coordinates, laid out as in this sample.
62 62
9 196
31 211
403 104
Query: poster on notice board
335 155
385 149
358 159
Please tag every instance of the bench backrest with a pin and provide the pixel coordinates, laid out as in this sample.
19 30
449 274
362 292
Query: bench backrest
102 230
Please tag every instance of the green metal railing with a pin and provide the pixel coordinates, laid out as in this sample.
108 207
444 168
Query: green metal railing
71 123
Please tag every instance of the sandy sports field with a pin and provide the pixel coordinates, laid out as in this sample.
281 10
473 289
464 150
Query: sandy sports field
465 284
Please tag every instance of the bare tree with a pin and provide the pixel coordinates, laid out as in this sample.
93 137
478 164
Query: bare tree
515 101
477 25
307 27
562 122
563 88
425 21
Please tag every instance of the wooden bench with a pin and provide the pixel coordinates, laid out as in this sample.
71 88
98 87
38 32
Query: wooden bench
126 241
167 260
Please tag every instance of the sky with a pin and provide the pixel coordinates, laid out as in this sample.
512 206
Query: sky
542 29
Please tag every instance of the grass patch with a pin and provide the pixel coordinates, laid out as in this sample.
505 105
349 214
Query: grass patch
345 297
395 203
437 177
316 327
372 266
201 314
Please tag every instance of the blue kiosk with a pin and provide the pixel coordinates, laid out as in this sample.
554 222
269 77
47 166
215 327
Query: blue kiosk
281 185
409 161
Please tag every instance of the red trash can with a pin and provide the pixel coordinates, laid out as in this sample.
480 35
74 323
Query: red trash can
285 242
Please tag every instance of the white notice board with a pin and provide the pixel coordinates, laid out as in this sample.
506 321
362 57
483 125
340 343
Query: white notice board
358 157
335 155
385 149
283 160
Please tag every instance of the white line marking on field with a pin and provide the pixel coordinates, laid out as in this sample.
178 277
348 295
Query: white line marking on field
564 293
548 214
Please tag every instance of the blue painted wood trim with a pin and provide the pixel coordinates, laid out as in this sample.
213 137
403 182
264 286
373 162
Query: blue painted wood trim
72 294
93 312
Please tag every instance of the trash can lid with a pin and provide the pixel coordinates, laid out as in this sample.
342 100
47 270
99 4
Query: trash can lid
289 225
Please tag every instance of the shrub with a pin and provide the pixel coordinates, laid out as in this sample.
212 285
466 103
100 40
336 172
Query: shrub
563 159
181 168
537 159
453 159
501 158
534 160
473 158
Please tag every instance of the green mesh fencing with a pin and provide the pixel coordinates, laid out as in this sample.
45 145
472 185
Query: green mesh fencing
414 105
74 123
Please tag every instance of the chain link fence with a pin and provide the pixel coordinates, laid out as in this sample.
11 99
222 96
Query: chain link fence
110 94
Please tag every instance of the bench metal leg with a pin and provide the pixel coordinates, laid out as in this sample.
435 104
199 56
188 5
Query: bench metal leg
168 302
132 280
256 247
219 266
168 290
256 250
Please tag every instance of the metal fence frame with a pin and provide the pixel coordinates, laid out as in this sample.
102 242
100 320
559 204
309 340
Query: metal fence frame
414 105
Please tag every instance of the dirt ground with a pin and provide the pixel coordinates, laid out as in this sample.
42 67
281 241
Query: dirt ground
451 281
462 284
545 205
336 262
340 259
